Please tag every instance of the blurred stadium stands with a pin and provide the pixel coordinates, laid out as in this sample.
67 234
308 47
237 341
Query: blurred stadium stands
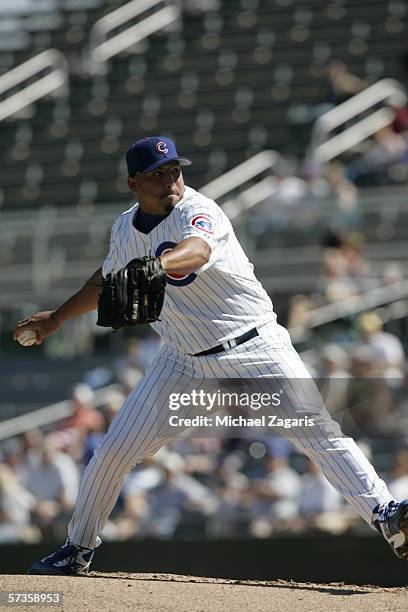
225 84
229 79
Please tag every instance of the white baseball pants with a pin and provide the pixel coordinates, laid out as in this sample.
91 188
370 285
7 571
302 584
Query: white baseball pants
141 428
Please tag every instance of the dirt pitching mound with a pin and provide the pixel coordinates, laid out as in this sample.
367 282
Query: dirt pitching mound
166 592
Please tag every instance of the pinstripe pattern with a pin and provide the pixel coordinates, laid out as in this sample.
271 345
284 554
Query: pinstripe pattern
222 301
141 428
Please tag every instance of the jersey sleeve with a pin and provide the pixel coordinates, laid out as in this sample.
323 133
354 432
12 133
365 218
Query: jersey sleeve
111 263
205 220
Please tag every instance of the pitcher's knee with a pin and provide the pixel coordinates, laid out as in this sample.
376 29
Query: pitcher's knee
110 452
121 453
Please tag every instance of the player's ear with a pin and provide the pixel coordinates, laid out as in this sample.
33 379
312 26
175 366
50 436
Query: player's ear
133 183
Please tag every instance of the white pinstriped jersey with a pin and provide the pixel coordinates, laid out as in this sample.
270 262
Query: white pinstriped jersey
218 302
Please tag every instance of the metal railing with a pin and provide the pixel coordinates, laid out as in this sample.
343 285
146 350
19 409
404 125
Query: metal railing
103 48
325 147
48 415
39 270
249 198
44 265
352 305
241 174
55 82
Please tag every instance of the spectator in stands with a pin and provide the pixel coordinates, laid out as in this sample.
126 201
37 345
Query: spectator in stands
287 196
400 121
345 191
231 516
132 521
140 352
345 266
376 165
342 84
335 362
46 482
129 378
319 502
65 457
389 346
275 497
142 478
166 496
398 484
12 454
43 478
131 513
112 401
33 442
370 404
298 195
393 272
178 499
300 307
16 506
85 417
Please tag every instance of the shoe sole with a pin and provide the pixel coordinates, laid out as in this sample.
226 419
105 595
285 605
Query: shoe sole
49 571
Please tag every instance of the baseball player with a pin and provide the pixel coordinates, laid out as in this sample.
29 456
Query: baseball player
217 322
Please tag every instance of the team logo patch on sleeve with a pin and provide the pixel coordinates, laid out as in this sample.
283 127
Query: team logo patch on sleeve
203 223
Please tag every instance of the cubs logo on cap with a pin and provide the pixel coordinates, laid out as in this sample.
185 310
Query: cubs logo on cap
162 148
151 152
203 223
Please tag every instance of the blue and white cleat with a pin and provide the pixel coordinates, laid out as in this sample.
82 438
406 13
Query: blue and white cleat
392 522
68 560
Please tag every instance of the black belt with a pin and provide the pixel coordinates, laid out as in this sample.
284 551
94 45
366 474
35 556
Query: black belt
252 333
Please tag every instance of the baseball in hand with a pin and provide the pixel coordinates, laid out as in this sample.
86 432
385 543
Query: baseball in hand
27 337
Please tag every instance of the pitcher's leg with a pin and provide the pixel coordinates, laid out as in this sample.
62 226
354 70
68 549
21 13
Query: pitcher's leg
340 459
348 470
139 429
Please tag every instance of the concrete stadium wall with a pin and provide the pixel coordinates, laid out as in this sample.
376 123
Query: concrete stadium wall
353 560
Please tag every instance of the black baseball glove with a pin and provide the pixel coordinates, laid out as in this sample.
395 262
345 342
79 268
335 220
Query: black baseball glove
132 296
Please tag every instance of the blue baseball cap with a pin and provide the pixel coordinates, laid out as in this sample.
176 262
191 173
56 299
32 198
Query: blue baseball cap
151 152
